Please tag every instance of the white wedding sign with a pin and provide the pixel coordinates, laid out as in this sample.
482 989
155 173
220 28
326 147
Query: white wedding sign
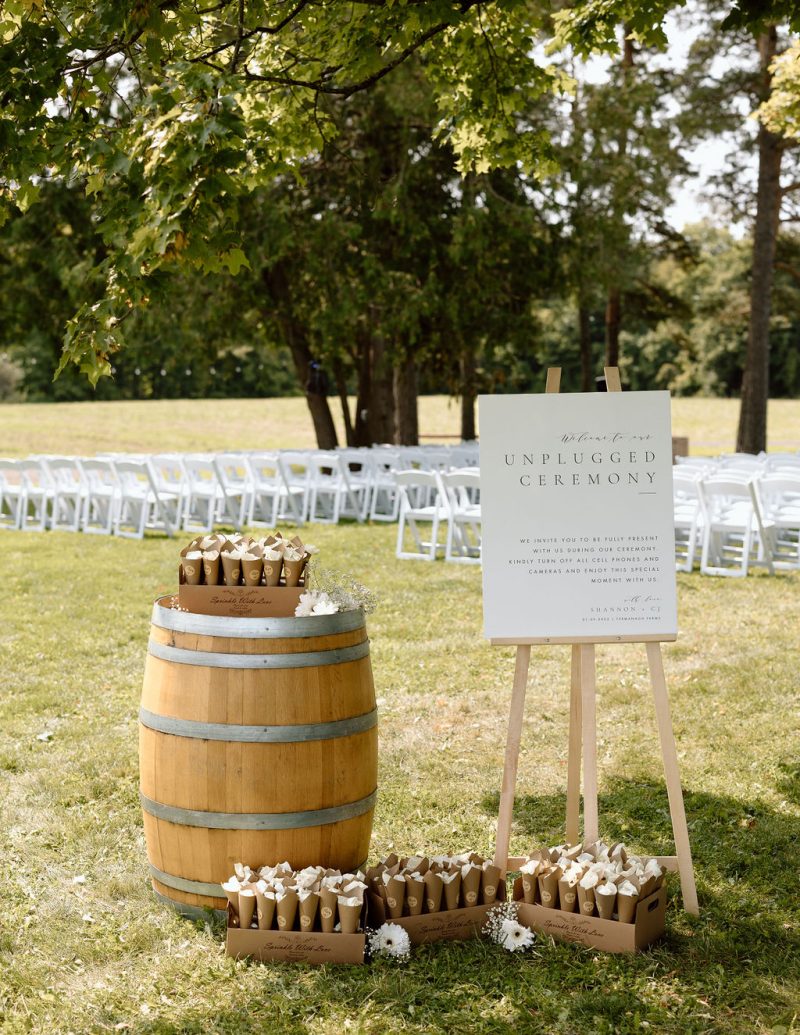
576 503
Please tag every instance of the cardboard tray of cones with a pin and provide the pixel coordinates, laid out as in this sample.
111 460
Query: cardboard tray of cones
242 578
449 924
607 935
297 946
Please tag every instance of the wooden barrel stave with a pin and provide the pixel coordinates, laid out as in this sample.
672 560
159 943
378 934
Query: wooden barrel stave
208 856
215 776
224 695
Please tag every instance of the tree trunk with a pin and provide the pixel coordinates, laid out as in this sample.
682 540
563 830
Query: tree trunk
341 388
294 335
364 391
406 426
751 436
375 401
613 321
381 411
585 340
469 394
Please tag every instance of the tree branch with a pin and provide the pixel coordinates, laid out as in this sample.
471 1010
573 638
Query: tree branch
364 84
786 268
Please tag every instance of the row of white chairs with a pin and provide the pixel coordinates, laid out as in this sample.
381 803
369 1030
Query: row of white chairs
740 464
736 520
125 494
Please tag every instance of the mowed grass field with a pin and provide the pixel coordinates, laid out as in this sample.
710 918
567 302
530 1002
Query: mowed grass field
193 425
84 946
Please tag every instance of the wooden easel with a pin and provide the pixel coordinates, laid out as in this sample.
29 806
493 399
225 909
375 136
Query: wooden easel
583 734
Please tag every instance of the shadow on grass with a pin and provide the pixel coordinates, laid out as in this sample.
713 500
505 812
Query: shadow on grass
744 855
731 970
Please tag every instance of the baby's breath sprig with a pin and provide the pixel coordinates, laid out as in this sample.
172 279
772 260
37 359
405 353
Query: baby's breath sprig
503 927
346 592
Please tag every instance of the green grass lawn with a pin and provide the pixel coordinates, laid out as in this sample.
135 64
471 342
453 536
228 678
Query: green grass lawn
189 425
84 947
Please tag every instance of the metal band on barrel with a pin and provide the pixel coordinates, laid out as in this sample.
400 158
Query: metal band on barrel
198 887
257 820
311 659
193 912
258 734
195 887
229 626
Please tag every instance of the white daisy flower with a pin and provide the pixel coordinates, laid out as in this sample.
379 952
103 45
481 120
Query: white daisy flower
391 940
504 928
305 607
515 936
325 606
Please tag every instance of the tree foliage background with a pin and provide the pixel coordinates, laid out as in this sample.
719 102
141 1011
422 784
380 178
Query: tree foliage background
257 197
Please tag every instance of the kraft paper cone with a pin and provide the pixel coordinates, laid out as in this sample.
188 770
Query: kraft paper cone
605 899
395 896
251 570
273 563
433 891
211 567
585 900
548 887
567 895
286 907
626 903
490 881
232 568
265 904
349 915
415 894
292 570
418 864
308 907
328 899
390 861
192 565
452 889
247 906
232 889
530 886
470 884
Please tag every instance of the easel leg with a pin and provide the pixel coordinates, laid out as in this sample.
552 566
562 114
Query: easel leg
512 756
574 752
589 725
672 776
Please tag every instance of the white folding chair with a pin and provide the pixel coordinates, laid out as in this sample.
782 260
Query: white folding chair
37 493
172 487
788 462
360 469
779 499
748 464
331 495
267 486
415 488
467 454
385 503
12 494
69 489
734 531
236 488
200 507
688 516
297 479
102 493
462 495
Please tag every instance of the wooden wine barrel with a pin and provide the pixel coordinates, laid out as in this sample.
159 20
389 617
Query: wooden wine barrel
258 744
